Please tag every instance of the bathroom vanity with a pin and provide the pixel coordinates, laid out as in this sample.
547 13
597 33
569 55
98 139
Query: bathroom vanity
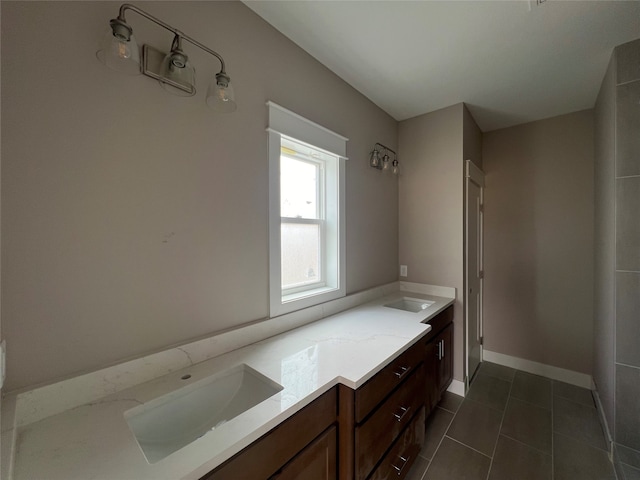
348 398
373 432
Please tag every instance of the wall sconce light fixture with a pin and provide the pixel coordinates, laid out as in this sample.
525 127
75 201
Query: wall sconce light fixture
119 51
380 159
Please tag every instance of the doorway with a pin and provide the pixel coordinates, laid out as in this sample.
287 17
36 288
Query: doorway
474 274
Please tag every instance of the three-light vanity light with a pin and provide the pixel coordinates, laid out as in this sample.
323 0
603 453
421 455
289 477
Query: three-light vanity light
173 70
381 160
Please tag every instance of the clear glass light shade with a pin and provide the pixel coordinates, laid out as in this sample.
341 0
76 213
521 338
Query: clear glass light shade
179 75
120 54
385 162
395 167
220 95
374 161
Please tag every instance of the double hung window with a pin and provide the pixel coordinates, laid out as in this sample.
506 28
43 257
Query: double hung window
306 212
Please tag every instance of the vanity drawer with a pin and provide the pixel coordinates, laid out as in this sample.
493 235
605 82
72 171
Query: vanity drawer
402 455
374 391
377 433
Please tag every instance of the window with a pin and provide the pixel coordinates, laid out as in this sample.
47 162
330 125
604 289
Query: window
306 212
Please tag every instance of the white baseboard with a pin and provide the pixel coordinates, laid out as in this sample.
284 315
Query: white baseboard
555 373
456 387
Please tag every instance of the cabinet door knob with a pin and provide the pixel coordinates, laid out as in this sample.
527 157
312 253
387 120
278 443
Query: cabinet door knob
403 371
400 416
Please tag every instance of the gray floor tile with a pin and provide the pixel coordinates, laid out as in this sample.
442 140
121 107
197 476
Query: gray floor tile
630 473
514 460
437 425
628 456
497 371
457 462
578 421
450 401
576 460
532 389
573 393
528 424
477 426
627 405
489 391
418 469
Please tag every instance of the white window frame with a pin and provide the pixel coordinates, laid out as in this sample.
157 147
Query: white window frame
284 123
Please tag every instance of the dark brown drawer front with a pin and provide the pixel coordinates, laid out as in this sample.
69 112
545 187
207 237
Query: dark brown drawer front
374 391
440 321
398 461
375 435
269 453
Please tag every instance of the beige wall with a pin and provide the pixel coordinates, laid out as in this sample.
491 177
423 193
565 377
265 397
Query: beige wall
539 241
431 207
132 219
472 139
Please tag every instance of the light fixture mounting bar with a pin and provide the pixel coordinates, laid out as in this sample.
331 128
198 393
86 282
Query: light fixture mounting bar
384 147
127 6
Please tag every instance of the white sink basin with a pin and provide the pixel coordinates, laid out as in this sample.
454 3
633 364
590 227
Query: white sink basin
410 304
172 421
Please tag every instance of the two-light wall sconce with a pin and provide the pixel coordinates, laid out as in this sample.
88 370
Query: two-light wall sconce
381 160
120 52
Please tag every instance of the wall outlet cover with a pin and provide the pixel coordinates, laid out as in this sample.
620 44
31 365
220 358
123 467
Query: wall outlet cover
403 270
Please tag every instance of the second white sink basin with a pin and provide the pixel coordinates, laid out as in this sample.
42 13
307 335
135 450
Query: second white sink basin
409 304
172 421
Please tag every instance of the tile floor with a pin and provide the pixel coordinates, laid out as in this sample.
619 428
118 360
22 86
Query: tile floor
514 426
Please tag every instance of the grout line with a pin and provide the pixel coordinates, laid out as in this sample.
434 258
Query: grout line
435 452
467 446
628 366
504 413
534 404
525 444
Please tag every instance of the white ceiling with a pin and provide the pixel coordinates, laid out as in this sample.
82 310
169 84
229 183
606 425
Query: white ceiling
510 61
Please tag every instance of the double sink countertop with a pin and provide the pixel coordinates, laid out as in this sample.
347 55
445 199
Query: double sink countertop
95 441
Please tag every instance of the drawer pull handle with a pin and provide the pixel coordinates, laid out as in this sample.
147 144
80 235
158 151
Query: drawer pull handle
404 464
400 416
403 371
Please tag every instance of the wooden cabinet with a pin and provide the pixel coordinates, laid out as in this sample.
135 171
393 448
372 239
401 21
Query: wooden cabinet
374 421
438 351
316 462
302 447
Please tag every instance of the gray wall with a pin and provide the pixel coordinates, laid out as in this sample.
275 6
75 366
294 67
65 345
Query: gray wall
538 248
617 301
133 220
431 207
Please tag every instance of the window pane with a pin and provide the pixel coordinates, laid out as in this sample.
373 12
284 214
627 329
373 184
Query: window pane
300 254
298 188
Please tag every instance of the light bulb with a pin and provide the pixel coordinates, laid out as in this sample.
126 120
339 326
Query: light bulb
121 49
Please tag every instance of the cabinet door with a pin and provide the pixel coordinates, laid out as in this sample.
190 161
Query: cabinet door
316 462
432 389
445 365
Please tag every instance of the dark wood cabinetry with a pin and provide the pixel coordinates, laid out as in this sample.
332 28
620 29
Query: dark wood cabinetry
377 422
318 461
438 351
302 447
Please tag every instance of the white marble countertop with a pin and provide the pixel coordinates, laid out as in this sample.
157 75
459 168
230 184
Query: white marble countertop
94 441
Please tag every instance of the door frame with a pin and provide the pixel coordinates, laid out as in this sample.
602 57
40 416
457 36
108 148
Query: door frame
472 174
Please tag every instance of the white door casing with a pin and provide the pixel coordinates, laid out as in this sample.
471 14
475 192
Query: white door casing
473 276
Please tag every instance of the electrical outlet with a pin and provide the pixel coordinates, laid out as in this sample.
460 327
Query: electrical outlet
403 270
